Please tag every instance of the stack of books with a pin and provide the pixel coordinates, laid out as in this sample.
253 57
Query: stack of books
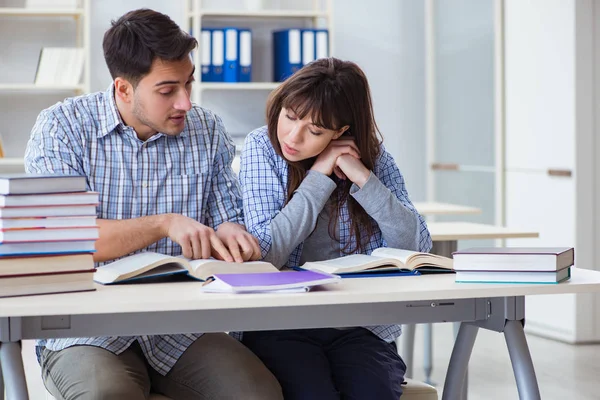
47 234
514 264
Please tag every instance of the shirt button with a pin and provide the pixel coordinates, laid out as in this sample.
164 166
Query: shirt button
145 184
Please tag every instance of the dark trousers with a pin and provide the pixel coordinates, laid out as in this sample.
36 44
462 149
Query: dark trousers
328 364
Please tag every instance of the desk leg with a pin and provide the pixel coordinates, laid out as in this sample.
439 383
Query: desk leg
428 352
443 248
521 361
13 371
406 347
459 361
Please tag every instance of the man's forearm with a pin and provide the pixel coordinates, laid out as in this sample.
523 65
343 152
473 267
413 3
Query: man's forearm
121 237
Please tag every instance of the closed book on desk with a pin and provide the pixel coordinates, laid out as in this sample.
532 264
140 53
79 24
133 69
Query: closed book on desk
50 199
48 211
383 259
15 266
39 248
77 281
47 222
291 281
47 234
29 184
514 258
513 276
149 264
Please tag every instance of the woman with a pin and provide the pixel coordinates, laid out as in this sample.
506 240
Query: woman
317 184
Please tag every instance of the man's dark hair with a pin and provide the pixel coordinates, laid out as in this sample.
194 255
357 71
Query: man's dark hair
137 38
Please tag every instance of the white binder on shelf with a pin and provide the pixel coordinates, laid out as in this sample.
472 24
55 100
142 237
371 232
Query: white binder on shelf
205 55
308 46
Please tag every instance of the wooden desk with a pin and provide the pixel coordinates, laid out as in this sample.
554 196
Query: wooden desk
437 208
181 307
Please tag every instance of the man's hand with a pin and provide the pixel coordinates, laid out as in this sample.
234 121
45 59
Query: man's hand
196 240
241 244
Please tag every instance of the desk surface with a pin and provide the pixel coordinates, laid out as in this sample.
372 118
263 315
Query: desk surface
183 296
436 208
468 230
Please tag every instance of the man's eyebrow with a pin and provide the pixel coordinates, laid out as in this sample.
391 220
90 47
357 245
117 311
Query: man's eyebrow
174 82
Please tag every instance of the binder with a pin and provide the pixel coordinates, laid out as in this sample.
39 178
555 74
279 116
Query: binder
308 46
205 54
245 55
218 55
321 43
231 49
287 57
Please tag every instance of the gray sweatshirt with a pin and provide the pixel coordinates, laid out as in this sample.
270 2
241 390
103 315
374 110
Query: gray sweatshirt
306 210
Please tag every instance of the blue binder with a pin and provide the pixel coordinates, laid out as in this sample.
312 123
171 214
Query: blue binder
205 55
321 43
245 55
286 53
308 46
217 55
231 49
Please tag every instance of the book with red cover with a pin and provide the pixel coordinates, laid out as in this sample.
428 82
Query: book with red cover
514 259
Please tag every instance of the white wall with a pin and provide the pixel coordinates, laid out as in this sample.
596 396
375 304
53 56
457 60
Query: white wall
388 45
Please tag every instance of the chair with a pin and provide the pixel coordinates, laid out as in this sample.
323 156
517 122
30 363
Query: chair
413 390
153 396
416 390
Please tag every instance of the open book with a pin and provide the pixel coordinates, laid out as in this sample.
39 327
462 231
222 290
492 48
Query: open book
383 260
149 264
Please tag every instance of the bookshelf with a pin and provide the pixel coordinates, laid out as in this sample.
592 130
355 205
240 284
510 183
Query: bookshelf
81 16
32 28
242 105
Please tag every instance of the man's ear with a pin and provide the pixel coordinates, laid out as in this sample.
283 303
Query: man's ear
123 89
341 131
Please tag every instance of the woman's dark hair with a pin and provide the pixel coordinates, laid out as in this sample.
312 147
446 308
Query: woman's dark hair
334 93
137 38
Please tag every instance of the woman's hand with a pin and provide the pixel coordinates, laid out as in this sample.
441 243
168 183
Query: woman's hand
326 162
353 169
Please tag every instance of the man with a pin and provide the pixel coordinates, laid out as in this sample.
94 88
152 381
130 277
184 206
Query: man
162 167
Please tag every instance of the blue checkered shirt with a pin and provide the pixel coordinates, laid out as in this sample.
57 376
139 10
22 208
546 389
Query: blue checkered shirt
188 174
263 177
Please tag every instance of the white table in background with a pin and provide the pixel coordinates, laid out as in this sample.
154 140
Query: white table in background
180 307
436 208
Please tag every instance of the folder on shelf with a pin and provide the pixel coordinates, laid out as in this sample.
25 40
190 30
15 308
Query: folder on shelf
321 43
218 55
231 49
308 46
287 57
245 55
60 66
205 54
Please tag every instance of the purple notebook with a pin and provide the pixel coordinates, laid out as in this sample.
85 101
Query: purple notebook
269 281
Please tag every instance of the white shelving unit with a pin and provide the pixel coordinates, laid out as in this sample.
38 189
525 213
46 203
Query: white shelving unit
81 15
199 13
20 86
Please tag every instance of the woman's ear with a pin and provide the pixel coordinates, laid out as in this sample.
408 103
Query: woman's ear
341 131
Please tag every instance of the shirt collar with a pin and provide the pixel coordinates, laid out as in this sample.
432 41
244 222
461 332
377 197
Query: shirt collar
112 118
